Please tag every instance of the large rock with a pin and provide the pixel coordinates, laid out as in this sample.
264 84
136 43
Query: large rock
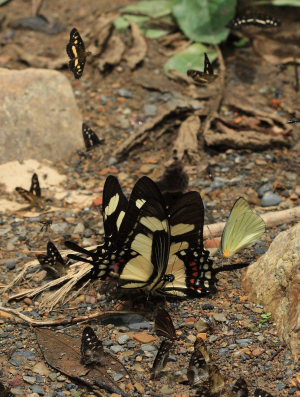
39 117
274 281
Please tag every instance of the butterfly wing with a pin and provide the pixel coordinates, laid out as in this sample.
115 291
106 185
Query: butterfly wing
76 52
207 76
240 388
208 69
216 381
53 262
163 325
264 21
92 351
161 358
90 137
198 369
242 228
35 186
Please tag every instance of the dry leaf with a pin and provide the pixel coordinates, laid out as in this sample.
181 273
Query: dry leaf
186 141
138 51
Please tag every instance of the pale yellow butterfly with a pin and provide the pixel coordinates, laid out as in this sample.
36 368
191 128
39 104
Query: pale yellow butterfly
242 228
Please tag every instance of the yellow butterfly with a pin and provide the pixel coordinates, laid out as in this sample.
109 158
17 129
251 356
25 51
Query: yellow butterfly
242 228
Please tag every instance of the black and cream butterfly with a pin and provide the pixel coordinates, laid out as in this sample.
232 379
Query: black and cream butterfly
264 21
90 138
161 358
52 262
207 76
33 195
92 352
77 54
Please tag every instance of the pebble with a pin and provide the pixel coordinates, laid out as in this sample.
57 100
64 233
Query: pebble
208 306
150 110
117 377
59 227
148 348
220 317
29 379
267 187
218 183
117 348
123 92
270 199
79 229
123 339
11 266
140 325
38 389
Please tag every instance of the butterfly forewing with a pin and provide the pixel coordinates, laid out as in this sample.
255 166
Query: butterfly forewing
91 348
198 369
240 388
35 186
207 76
33 195
90 138
163 325
161 358
77 54
264 21
52 262
242 228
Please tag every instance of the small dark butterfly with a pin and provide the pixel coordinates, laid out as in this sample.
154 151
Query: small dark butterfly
262 393
240 388
4 392
216 381
261 20
91 348
46 224
207 76
90 137
77 54
292 121
33 195
163 325
198 370
52 262
161 358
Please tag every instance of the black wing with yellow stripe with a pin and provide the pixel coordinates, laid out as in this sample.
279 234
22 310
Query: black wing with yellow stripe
205 77
77 54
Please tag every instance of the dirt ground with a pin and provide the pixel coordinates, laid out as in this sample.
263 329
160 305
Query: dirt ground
241 341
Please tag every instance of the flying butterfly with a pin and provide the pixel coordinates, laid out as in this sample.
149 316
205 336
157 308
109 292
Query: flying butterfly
207 76
5 392
242 228
163 324
77 54
261 20
161 358
92 351
33 195
90 138
240 388
52 262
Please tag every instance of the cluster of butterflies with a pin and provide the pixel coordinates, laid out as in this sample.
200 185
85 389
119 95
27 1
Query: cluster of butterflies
153 242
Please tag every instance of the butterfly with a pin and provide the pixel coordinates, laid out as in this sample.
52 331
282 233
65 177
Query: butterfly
262 20
4 392
33 195
242 228
52 262
46 224
198 369
292 121
92 351
77 54
163 325
207 76
161 358
90 137
240 388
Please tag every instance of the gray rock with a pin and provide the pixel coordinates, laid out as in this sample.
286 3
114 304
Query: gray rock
138 326
79 228
123 92
38 389
123 339
148 348
218 183
150 110
29 379
117 349
11 266
117 377
270 199
59 227
266 187
220 317
4 231
39 117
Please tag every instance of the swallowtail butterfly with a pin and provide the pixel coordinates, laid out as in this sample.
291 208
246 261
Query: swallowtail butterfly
52 262
90 138
33 195
92 351
163 325
207 76
161 358
77 54
261 20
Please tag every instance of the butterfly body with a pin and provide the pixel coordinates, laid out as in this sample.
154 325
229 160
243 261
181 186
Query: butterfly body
205 77
77 54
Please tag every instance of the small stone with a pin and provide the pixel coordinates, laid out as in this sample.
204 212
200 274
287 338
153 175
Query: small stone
146 168
150 110
143 337
11 266
59 227
79 228
29 379
267 187
116 349
220 317
123 92
38 389
117 377
148 348
270 199
123 339
201 325
218 183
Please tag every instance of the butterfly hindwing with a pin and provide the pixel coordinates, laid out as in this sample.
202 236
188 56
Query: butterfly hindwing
77 54
52 262
92 351
161 358
198 369
163 324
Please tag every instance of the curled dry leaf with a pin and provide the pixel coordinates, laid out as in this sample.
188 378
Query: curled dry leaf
138 51
186 141
276 52
112 54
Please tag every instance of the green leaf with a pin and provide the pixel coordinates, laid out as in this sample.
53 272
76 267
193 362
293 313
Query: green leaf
204 20
121 23
242 42
153 8
191 57
295 3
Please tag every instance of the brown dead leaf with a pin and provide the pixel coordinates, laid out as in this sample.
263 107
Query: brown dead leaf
186 141
62 352
275 52
138 51
112 54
